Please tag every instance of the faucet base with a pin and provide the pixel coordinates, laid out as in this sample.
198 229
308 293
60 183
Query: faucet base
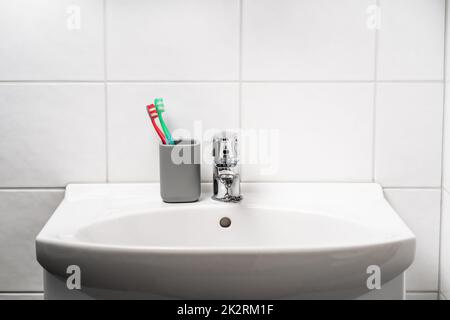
228 198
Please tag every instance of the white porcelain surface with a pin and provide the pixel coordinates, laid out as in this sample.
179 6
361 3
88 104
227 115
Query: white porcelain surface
307 40
124 238
411 40
420 209
37 44
172 40
409 134
324 131
22 215
133 144
445 246
51 134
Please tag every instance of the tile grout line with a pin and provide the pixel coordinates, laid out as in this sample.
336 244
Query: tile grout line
31 189
374 106
250 181
442 147
55 81
105 84
240 63
51 81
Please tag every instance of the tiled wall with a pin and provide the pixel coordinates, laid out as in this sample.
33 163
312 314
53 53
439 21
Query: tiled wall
445 228
445 216
360 103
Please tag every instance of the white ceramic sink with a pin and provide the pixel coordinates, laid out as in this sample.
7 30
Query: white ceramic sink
285 241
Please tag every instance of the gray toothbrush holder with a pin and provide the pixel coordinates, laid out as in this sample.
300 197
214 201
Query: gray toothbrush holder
179 171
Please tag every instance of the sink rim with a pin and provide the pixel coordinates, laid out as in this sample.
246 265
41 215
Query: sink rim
49 236
218 250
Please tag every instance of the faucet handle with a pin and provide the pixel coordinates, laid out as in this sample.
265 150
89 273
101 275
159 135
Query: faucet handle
225 149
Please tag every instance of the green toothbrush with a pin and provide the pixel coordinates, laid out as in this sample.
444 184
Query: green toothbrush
159 104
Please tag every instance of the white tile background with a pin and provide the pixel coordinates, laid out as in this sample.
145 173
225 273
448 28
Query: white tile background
359 104
409 134
36 45
420 209
325 129
307 40
444 283
172 40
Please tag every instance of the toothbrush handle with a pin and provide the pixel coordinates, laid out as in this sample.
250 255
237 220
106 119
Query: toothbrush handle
158 131
166 131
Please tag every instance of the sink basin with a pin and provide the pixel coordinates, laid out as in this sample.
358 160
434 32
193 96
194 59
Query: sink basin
283 240
197 229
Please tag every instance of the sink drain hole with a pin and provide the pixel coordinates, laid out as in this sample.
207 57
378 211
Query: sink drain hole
225 222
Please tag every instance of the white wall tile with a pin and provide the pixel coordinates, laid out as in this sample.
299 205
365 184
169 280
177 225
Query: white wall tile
445 245
411 40
51 134
420 209
133 144
22 216
421 296
447 48
307 40
446 166
445 215
325 131
173 39
36 43
409 134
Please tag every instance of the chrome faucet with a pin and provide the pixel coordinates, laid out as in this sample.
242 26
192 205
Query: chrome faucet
226 175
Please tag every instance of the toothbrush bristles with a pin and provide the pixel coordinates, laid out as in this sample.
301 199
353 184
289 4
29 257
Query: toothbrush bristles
152 111
159 104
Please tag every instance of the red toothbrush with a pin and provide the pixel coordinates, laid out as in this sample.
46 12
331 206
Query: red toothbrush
153 115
